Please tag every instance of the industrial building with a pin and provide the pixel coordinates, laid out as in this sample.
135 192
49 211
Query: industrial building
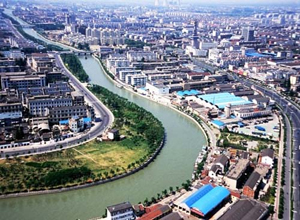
205 200
246 209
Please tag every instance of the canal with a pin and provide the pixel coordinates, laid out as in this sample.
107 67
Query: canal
172 167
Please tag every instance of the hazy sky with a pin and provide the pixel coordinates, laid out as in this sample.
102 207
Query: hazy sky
238 2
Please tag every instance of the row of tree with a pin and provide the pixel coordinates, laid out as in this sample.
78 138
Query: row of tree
147 128
74 65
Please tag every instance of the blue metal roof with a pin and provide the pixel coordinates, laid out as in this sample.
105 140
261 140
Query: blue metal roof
223 99
211 199
64 122
255 55
187 92
87 120
219 123
198 195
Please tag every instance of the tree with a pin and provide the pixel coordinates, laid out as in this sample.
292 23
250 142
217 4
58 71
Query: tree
171 189
165 192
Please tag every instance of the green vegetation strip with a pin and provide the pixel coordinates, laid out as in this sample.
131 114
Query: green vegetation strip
105 69
91 162
73 64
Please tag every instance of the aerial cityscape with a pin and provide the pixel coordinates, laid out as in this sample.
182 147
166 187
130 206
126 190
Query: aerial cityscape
155 109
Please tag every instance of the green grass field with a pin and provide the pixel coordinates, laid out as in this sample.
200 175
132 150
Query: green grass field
103 159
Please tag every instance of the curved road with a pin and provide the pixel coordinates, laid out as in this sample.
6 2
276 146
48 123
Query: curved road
292 163
96 130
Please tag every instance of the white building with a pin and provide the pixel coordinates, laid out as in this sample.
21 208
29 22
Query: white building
208 45
267 157
138 80
40 105
76 124
122 211
124 73
134 56
157 88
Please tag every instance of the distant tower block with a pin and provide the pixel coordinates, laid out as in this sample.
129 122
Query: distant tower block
165 3
227 110
156 3
195 38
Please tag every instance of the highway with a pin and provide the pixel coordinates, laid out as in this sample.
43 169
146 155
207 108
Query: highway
292 148
97 129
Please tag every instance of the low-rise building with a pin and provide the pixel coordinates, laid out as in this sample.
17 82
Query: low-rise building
267 157
122 211
246 209
236 176
251 187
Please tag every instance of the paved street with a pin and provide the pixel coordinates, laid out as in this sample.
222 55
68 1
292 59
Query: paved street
294 114
96 130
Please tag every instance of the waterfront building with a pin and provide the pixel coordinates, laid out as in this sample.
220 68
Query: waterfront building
122 211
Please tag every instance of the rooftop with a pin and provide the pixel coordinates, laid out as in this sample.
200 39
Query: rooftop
245 209
223 99
238 169
119 207
207 198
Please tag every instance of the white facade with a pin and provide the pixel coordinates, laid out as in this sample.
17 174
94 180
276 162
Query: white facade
123 74
141 55
11 115
76 124
267 160
39 106
157 89
208 45
121 216
137 80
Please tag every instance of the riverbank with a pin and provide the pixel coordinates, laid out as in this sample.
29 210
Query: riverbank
144 139
62 189
206 131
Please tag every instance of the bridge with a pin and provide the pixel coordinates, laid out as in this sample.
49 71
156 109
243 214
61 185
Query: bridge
79 52
27 26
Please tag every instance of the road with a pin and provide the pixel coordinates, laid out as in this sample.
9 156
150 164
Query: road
292 148
96 130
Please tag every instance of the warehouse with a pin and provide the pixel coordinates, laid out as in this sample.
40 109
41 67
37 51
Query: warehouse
220 100
206 200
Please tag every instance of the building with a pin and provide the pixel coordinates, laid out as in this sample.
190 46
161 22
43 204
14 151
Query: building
236 176
219 166
40 105
157 212
111 37
76 124
248 34
137 80
246 209
122 211
267 157
251 187
20 80
206 199
157 88
134 56
113 134
57 114
124 73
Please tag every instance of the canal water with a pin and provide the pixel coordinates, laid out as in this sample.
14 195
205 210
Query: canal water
172 167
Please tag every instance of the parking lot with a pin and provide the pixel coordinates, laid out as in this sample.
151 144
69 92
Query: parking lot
267 127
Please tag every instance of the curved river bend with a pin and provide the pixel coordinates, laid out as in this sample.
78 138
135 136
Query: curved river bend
173 166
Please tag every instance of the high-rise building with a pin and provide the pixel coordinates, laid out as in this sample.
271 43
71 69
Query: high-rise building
248 34
165 3
195 38
156 3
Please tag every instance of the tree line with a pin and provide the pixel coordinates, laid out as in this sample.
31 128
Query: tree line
147 127
74 65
